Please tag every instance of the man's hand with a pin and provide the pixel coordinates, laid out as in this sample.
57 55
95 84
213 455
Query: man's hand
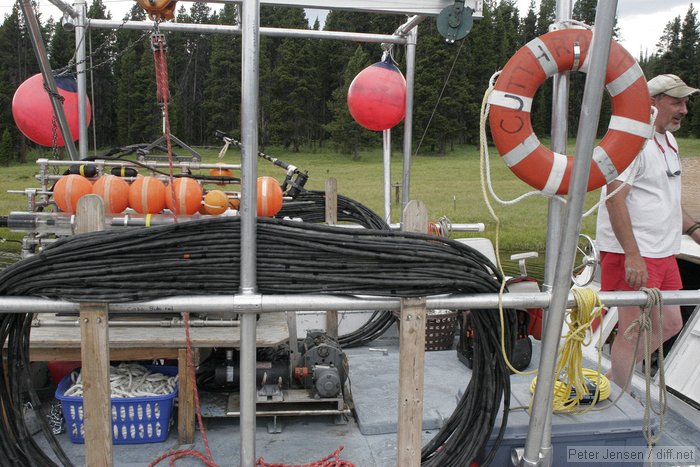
636 273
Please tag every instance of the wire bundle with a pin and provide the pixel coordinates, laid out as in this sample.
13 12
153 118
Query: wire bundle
310 206
202 257
17 446
466 432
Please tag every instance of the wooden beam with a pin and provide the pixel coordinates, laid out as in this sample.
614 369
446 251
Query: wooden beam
94 331
411 358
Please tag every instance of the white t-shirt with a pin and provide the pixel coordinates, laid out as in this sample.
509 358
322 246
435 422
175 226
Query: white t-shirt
654 201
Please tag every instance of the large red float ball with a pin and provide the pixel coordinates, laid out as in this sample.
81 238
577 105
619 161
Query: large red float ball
188 196
68 190
269 196
147 195
33 112
377 96
114 191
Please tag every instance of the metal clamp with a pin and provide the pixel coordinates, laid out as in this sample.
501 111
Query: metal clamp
247 303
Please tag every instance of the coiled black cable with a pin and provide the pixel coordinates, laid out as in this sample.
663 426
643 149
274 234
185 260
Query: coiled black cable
202 258
17 445
310 206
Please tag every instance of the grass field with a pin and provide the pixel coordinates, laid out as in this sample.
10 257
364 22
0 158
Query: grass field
449 185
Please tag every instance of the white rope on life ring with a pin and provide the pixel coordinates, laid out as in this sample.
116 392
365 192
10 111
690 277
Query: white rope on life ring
511 101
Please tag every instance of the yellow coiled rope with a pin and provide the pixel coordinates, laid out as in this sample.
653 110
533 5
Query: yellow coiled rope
571 388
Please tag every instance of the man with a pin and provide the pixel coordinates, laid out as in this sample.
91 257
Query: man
639 228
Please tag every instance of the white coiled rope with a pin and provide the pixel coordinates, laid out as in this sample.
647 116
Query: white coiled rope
130 380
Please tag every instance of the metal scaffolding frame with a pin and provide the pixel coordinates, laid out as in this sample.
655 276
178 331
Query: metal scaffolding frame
564 222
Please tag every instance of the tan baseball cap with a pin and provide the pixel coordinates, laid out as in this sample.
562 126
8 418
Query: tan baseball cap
670 85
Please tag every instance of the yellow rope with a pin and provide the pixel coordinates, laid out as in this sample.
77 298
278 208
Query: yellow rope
571 386
587 309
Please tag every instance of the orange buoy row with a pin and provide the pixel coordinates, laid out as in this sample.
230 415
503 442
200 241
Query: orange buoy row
148 195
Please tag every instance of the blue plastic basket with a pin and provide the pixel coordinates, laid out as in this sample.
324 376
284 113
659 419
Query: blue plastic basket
136 420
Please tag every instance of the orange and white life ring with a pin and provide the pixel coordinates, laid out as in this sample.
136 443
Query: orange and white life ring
511 100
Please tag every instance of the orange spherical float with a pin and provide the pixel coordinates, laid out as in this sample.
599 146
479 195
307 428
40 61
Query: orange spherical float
68 190
114 191
188 196
215 202
34 115
269 196
147 195
220 172
377 96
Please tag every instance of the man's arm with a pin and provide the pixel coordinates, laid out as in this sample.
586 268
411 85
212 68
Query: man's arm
689 224
636 274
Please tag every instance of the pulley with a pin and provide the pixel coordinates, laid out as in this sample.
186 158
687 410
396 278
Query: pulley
454 22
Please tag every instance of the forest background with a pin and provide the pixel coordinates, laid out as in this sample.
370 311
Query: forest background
303 82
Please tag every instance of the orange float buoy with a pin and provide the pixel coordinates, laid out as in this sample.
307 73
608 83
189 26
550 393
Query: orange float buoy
114 191
511 100
215 202
220 172
68 190
147 195
188 196
269 196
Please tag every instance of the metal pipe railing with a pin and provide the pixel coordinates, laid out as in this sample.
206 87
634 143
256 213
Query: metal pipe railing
257 303
555 206
590 113
250 76
80 68
412 40
225 29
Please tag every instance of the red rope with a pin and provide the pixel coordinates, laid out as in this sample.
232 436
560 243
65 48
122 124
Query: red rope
161 68
331 460
208 460
163 95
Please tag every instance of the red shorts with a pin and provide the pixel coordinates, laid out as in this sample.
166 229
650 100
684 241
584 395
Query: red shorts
663 272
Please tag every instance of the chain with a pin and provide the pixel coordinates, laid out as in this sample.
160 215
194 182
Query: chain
109 40
54 126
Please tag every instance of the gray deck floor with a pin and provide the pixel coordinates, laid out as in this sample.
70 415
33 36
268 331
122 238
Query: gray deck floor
373 377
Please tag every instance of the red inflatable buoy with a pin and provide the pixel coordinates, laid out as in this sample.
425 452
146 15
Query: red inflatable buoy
33 112
377 96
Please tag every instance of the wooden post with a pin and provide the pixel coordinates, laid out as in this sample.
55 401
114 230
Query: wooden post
94 351
411 358
332 219
185 406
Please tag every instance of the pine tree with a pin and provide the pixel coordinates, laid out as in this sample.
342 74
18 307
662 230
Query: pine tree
528 28
222 102
6 148
17 63
687 65
100 78
61 47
